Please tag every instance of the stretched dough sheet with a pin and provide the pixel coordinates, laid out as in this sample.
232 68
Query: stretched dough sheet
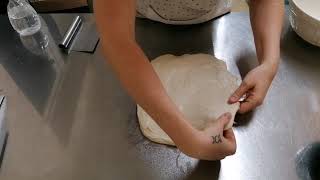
199 85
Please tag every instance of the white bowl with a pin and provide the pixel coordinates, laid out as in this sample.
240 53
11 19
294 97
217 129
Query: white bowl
305 19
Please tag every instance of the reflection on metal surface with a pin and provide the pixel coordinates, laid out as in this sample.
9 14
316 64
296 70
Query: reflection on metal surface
314 102
219 36
36 43
34 63
269 137
3 126
308 162
72 31
88 34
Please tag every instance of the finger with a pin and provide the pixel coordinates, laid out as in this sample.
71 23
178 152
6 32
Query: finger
219 124
230 141
231 147
249 104
243 88
229 134
224 120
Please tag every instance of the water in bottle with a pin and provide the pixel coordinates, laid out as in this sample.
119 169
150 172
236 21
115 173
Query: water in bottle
23 18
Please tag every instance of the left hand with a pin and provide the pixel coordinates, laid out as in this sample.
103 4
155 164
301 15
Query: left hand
255 86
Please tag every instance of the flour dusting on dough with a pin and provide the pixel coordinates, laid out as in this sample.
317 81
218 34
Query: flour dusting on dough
199 85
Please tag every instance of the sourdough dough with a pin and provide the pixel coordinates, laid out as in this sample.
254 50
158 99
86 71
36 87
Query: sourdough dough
199 85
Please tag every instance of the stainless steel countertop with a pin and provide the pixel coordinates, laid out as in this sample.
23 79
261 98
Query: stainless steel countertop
69 118
3 128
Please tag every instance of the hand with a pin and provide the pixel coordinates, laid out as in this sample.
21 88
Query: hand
254 86
213 143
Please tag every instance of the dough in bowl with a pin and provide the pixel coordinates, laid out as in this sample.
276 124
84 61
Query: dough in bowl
199 85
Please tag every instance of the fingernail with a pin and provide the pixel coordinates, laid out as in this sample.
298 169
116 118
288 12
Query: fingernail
232 99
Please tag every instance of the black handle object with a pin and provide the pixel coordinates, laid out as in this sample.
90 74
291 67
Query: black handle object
71 33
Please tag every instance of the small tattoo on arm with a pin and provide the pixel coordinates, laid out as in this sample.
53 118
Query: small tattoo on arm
216 139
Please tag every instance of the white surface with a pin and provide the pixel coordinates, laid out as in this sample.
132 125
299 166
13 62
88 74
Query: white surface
199 85
305 19
310 7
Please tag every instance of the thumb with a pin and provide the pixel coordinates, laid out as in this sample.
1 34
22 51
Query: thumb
243 88
223 120
218 125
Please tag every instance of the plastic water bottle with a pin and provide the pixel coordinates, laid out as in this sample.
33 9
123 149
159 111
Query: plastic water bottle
23 18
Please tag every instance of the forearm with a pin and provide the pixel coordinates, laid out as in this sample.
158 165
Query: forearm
142 83
115 22
266 20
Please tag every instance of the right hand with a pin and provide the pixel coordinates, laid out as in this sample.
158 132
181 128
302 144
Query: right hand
213 143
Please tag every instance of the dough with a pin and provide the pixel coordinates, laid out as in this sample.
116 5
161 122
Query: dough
199 85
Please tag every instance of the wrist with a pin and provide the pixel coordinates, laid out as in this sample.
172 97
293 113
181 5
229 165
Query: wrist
182 132
274 61
188 142
271 65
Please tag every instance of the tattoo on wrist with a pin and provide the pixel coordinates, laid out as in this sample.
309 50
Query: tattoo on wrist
216 139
